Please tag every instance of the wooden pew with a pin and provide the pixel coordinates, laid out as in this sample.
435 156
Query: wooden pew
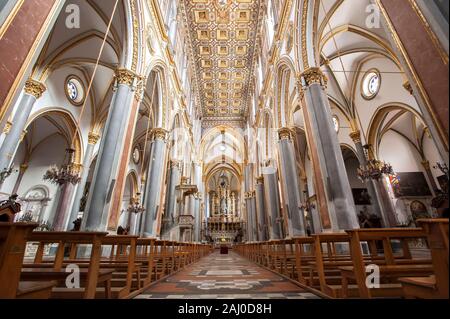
90 276
436 285
146 254
392 266
13 239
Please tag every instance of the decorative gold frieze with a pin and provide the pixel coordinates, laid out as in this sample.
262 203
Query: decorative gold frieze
7 127
314 75
124 76
285 133
356 136
159 134
35 88
260 180
93 138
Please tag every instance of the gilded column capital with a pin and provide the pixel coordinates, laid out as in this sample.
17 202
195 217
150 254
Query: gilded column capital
356 136
159 133
249 195
426 164
175 164
7 127
124 76
260 180
93 138
23 168
285 133
34 88
408 87
314 75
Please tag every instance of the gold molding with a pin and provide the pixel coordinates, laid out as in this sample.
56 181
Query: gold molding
283 19
260 180
34 88
159 20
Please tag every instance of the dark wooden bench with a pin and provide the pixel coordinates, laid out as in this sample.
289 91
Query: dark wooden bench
13 239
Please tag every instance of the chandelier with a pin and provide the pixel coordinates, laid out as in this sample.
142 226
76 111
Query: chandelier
374 169
135 207
67 173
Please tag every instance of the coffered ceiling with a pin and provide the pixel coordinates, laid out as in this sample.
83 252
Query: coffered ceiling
223 45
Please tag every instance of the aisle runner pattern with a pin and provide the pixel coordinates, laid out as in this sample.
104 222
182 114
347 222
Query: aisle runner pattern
225 277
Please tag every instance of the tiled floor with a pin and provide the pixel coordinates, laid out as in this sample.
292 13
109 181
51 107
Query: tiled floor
225 277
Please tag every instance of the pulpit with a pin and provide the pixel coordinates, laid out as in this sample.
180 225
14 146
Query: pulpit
8 209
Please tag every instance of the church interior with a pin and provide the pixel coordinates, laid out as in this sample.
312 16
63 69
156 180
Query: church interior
224 149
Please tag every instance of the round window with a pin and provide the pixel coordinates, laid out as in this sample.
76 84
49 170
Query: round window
75 90
371 84
336 123
136 156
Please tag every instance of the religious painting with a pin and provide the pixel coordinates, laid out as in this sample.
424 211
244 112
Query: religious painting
419 210
361 196
412 184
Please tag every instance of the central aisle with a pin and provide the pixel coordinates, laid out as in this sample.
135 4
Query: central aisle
225 277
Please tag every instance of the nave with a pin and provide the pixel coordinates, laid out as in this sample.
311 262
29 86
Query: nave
138 138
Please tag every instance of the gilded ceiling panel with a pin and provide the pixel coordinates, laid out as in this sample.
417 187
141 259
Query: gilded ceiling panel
223 45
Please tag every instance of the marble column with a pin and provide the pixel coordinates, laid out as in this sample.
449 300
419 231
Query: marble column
197 200
375 199
431 180
111 147
22 170
295 216
261 210
425 63
92 141
250 204
272 203
62 210
337 186
33 91
174 180
155 176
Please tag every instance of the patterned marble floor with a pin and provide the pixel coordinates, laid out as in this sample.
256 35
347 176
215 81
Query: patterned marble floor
225 277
